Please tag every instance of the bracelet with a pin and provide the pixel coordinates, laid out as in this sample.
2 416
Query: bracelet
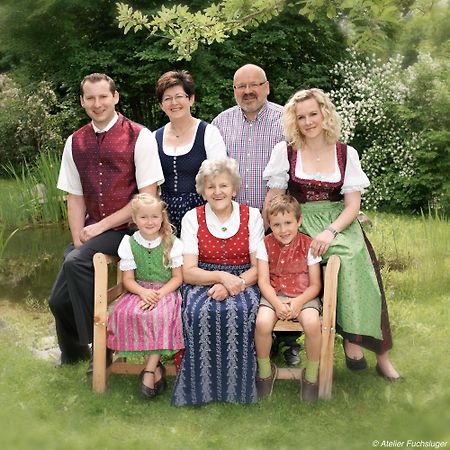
333 230
243 281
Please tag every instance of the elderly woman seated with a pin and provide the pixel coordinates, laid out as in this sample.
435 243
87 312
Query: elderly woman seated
220 297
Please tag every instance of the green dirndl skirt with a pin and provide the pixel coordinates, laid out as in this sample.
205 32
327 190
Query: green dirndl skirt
359 299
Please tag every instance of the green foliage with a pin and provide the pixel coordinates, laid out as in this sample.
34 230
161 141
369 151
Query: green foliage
400 132
5 237
424 30
368 24
29 123
185 29
37 199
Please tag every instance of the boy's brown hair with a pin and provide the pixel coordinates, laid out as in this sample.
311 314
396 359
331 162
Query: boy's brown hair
284 203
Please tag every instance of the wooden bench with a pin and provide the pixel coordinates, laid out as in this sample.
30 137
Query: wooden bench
104 295
331 271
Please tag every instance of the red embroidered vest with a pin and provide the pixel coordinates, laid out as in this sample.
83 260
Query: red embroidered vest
106 167
233 250
288 264
314 190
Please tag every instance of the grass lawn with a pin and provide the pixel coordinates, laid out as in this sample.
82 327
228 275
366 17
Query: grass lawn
47 408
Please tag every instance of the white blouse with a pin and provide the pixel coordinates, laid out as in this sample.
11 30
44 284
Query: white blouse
261 253
214 144
221 230
126 255
277 171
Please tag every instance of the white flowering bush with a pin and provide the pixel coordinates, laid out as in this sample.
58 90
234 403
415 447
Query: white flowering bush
373 99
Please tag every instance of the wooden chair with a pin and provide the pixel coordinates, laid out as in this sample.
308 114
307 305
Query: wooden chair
331 271
103 296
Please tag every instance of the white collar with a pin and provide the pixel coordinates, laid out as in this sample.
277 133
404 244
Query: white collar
109 126
146 243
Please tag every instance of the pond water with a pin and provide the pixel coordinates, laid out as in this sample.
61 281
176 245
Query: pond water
31 262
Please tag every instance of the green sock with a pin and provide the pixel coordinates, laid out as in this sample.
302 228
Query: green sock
312 371
264 369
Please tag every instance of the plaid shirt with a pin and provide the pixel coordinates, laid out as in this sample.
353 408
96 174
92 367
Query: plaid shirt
250 142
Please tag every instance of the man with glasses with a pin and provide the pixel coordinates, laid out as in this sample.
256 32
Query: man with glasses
250 131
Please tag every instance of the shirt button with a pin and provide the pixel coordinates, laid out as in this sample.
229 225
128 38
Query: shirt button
101 173
100 164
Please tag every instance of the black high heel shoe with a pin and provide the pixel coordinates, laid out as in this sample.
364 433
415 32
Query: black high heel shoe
354 364
148 392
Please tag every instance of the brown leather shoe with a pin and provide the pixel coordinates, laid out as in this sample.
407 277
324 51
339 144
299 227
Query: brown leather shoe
264 386
309 392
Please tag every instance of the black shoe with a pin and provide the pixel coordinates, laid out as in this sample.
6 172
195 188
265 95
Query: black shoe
148 392
291 355
354 364
109 358
66 360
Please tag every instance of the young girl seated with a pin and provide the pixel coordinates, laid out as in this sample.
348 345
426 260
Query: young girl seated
147 318
289 279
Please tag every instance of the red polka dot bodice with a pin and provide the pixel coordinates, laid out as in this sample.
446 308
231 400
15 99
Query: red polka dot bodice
233 250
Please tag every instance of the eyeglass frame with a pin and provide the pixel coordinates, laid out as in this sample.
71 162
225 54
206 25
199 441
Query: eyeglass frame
243 86
177 98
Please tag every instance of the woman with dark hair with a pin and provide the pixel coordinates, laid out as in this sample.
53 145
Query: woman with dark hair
325 176
183 144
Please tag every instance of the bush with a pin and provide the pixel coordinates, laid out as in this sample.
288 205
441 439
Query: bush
400 136
30 123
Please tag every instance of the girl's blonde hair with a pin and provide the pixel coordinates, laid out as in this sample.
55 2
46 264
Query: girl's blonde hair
331 120
167 229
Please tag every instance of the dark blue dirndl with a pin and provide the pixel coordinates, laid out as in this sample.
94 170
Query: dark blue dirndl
219 363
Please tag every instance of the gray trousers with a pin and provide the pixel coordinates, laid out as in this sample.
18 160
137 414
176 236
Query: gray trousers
72 297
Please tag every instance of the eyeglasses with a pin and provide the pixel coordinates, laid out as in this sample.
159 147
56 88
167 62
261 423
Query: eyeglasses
177 98
243 86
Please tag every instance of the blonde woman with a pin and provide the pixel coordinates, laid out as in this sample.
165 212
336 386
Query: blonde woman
325 176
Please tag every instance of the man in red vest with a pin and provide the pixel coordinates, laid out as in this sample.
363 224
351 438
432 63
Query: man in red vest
103 165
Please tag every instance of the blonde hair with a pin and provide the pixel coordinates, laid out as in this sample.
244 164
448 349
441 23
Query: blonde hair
331 120
214 167
167 229
284 203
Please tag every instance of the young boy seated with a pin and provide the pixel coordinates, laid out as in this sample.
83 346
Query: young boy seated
289 279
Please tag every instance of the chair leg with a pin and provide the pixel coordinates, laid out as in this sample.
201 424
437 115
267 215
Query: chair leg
100 317
328 327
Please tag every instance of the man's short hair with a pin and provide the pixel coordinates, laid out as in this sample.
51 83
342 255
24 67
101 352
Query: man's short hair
96 77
